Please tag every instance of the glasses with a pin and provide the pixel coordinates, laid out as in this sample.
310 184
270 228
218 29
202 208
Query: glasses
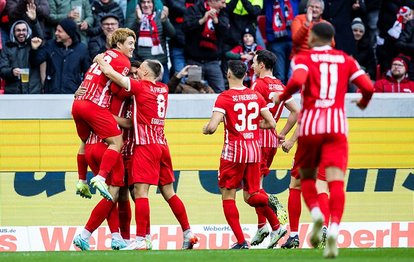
20 30
397 65
110 24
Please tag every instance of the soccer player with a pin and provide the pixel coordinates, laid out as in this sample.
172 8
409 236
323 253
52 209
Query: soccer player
323 74
91 110
241 109
151 164
267 85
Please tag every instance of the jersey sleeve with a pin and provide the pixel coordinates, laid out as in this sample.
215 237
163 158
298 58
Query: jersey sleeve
220 104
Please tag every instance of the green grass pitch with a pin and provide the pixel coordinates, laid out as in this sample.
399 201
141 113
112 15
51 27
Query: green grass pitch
374 254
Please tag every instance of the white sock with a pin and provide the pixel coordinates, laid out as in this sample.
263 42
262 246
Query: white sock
116 235
139 238
316 213
293 234
186 232
333 229
101 178
85 234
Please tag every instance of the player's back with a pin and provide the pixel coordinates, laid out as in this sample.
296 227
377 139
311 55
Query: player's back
150 107
241 108
329 73
99 88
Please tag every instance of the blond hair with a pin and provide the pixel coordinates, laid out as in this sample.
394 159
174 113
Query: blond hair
120 35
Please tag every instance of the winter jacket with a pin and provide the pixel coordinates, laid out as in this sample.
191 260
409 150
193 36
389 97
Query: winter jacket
391 85
193 33
65 65
99 10
16 55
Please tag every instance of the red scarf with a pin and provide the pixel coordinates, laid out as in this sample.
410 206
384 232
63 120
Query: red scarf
282 18
148 34
208 36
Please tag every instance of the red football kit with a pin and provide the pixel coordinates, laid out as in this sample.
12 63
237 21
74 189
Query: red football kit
90 111
324 74
151 160
241 154
268 86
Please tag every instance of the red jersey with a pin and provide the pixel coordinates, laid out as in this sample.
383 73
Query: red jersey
150 103
324 74
268 86
241 108
99 88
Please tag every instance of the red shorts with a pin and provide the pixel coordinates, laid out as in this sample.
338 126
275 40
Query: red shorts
323 150
231 176
127 166
93 155
268 153
295 171
89 117
152 165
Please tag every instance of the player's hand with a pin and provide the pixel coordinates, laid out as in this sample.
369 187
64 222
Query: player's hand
276 98
359 104
287 145
80 91
82 189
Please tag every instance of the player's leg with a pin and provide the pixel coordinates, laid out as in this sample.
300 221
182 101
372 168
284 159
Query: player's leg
323 200
294 210
165 185
125 213
82 187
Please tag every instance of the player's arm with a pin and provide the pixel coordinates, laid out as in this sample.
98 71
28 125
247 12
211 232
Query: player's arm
214 122
268 122
292 118
364 83
288 144
109 71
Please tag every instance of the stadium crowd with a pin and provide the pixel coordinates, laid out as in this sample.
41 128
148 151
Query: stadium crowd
38 36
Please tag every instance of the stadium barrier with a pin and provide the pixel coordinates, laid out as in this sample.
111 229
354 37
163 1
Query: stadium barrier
40 211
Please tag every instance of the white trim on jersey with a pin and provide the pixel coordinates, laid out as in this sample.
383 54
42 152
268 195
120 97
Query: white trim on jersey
221 110
356 74
300 66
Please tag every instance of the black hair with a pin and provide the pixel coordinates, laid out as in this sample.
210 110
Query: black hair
238 68
155 67
324 31
267 58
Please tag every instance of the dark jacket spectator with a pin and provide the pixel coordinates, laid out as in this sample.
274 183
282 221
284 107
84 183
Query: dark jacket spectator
205 26
364 53
67 59
15 56
405 45
98 44
338 13
101 8
242 14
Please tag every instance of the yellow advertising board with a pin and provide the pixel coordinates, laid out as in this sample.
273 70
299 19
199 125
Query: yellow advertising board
38 173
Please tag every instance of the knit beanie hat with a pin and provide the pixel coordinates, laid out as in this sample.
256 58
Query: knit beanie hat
70 28
357 24
403 59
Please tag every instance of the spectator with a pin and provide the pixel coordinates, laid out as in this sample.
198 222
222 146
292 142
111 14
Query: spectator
78 10
364 53
17 11
15 56
196 87
67 59
396 80
303 23
405 45
246 52
386 49
339 14
279 18
176 44
131 7
371 20
101 8
98 44
205 26
152 29
242 14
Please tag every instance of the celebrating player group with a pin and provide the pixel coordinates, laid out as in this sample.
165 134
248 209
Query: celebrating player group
120 120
